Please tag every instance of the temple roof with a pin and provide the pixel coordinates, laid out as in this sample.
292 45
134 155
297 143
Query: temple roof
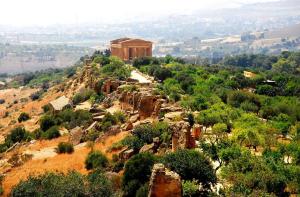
124 40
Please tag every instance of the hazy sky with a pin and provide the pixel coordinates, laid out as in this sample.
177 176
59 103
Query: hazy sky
45 12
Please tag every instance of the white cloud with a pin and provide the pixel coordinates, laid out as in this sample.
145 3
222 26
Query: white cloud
28 12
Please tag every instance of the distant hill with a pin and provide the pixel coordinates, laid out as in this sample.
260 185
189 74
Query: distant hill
290 31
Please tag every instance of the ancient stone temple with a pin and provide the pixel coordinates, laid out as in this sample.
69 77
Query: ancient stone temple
129 48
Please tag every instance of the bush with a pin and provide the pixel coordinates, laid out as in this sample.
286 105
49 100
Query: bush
65 147
190 188
23 117
96 159
99 185
46 122
36 95
83 96
71 184
51 133
118 166
143 191
137 172
71 119
120 116
190 165
18 134
46 108
147 132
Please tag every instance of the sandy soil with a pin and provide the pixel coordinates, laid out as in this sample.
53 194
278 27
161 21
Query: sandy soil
44 160
33 108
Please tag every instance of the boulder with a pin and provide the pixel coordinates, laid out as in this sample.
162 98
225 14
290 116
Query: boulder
128 126
148 148
134 118
76 135
126 154
164 183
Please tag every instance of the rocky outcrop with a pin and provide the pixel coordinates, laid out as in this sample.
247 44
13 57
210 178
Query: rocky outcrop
145 102
164 183
181 136
76 135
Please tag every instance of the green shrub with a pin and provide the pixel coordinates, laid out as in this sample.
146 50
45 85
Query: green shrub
37 134
147 132
133 142
65 147
190 165
95 160
118 166
120 116
46 108
137 172
92 135
23 117
99 185
143 191
190 188
37 95
116 146
18 134
71 119
51 133
46 122
110 120
71 184
83 96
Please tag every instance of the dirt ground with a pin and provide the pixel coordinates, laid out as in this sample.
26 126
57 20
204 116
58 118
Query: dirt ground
58 162
33 108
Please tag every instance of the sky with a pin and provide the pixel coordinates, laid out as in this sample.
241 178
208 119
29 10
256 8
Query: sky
48 12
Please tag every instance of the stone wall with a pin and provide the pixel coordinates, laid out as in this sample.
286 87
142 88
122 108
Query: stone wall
181 136
164 183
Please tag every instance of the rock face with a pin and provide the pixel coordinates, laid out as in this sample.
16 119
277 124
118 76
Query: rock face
181 136
144 102
164 183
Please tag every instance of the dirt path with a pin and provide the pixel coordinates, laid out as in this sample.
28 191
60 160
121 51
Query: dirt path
142 78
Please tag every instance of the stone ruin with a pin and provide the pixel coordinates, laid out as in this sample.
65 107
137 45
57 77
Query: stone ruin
144 102
181 136
197 131
164 183
110 85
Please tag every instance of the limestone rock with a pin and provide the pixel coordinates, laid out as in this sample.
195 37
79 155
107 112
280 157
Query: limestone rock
164 183
76 135
134 118
128 126
181 136
126 154
148 148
